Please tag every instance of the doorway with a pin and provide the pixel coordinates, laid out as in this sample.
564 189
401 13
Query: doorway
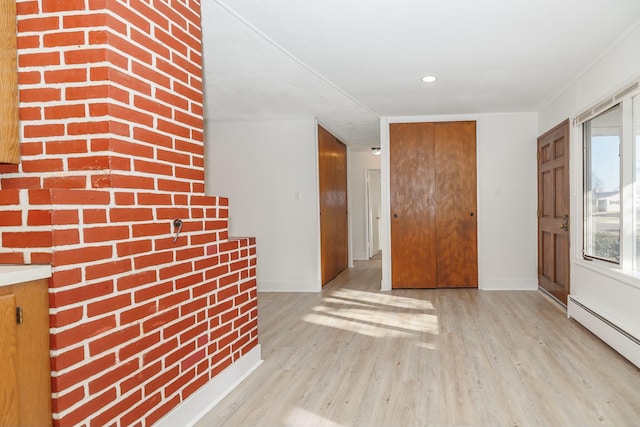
374 210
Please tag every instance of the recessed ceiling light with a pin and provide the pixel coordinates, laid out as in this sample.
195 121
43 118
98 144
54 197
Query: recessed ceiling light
429 79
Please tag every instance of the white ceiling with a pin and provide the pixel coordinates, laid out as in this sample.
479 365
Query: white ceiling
348 62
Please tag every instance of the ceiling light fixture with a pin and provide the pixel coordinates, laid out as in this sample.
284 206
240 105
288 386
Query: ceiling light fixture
429 79
375 151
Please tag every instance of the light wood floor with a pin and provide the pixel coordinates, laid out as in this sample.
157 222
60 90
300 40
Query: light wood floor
355 356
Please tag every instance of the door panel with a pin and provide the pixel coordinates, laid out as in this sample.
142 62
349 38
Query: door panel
553 212
546 202
561 252
456 193
561 205
332 167
413 226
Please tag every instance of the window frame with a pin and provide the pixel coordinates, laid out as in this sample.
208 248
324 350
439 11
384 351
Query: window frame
624 271
587 199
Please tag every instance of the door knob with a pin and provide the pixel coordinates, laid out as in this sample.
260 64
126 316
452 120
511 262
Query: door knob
565 223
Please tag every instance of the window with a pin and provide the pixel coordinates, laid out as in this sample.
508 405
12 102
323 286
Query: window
611 190
602 136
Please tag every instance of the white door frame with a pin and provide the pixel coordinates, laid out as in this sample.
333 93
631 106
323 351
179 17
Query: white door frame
373 218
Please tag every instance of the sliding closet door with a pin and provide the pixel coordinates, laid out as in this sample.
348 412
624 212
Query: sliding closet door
433 205
456 193
413 214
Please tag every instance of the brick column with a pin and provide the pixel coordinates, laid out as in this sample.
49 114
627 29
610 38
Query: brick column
112 152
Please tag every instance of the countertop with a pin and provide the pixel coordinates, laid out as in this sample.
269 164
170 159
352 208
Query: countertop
12 274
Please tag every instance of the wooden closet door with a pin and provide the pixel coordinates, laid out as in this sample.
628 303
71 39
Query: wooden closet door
456 194
433 205
413 213
334 241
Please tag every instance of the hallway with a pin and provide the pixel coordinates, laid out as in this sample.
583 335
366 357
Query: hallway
354 356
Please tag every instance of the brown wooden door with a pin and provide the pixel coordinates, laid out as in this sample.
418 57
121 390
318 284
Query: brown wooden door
456 194
413 205
334 243
433 205
553 211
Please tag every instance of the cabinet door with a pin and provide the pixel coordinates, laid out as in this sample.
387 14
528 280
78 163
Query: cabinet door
8 362
9 134
33 366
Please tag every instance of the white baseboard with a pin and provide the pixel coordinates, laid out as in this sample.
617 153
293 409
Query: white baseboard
189 412
624 341
288 286
508 284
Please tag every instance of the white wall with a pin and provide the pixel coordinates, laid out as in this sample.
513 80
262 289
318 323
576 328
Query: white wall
507 198
268 170
507 201
613 71
613 295
359 162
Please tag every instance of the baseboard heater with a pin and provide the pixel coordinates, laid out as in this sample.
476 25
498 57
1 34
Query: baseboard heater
619 339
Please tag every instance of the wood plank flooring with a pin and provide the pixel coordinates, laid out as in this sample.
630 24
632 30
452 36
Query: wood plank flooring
354 356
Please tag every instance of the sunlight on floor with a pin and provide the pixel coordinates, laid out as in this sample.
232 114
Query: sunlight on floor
380 298
376 315
300 417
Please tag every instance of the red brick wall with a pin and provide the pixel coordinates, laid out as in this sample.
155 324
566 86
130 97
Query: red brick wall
112 152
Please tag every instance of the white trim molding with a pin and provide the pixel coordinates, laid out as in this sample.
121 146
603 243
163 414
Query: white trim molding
508 284
189 412
625 342
289 286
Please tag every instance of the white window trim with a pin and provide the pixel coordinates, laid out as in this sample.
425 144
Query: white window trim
623 272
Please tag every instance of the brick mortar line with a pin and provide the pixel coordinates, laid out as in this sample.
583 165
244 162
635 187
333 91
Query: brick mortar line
208 356
131 291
